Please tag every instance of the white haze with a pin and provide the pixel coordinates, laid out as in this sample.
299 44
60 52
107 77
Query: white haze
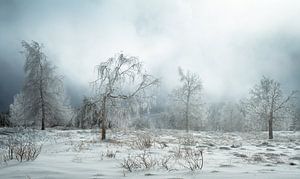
229 43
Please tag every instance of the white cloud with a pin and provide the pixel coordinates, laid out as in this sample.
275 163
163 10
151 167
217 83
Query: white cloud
220 40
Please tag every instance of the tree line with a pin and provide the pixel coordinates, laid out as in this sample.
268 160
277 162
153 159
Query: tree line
125 95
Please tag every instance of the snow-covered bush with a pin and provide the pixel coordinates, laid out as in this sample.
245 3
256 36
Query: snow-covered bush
130 164
143 141
192 159
109 154
22 145
139 162
26 151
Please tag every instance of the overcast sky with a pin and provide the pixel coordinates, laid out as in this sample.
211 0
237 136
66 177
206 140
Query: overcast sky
229 43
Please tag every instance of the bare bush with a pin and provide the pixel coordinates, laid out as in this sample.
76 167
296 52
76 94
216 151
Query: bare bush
192 159
82 145
4 158
21 146
79 147
164 162
178 152
188 140
143 141
141 161
109 154
162 145
10 144
146 160
27 151
130 163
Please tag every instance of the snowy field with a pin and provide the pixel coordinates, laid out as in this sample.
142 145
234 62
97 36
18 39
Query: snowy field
80 154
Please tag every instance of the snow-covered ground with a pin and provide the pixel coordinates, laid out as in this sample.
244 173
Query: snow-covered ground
80 154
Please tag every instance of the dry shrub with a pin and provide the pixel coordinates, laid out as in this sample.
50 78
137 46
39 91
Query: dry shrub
188 140
162 145
146 160
178 152
27 151
82 145
143 141
109 154
193 159
139 162
4 158
21 146
190 158
130 163
164 162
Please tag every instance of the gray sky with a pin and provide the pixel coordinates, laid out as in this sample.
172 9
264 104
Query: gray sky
229 43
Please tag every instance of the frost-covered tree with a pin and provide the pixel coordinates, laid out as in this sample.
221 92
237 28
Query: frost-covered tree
118 79
231 117
267 103
295 126
224 116
188 95
296 121
214 116
87 114
4 119
17 111
42 98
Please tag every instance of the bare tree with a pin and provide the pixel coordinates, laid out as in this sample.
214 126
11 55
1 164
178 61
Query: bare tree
188 93
268 102
43 90
119 78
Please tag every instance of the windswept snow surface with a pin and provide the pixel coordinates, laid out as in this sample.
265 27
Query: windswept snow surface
80 154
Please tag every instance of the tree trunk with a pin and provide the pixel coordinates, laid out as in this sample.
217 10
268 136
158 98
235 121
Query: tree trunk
42 96
43 115
97 114
187 112
104 120
271 126
43 105
271 118
103 133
